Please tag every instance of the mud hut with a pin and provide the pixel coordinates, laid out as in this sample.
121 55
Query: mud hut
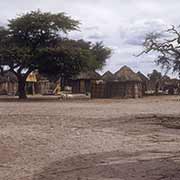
43 85
107 76
125 84
3 85
170 86
100 88
8 84
145 82
31 82
37 84
83 82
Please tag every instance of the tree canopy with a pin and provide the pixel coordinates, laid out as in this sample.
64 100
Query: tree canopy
35 41
155 76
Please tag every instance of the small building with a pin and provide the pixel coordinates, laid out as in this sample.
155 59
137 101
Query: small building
31 82
170 86
145 82
100 88
8 84
37 84
82 83
125 84
108 76
3 85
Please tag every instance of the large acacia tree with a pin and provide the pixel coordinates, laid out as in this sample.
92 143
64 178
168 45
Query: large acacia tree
34 41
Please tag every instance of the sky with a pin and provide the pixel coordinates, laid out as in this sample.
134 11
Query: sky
121 24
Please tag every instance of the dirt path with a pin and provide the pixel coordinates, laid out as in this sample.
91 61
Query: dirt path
94 140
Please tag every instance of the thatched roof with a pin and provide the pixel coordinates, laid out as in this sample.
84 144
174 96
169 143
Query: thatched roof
8 77
42 78
108 76
142 76
12 77
32 77
126 74
90 75
3 79
166 78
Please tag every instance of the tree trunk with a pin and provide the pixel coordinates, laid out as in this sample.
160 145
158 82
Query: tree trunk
62 81
157 89
22 88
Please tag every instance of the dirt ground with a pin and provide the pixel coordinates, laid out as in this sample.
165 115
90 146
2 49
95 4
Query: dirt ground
91 140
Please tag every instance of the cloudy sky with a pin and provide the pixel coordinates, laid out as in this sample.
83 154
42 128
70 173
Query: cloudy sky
121 24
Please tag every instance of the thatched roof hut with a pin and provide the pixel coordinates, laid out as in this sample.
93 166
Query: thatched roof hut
108 76
145 82
3 79
8 77
8 84
82 83
166 78
142 76
126 74
125 84
90 75
32 77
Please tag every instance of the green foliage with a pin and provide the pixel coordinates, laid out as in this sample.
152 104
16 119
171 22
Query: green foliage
37 29
33 41
71 57
27 34
155 76
101 53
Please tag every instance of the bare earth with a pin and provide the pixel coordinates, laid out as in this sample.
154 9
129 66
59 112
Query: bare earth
91 140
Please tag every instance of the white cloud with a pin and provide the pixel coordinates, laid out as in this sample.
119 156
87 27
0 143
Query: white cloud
121 24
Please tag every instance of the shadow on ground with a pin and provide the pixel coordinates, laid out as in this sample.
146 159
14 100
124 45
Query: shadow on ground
111 166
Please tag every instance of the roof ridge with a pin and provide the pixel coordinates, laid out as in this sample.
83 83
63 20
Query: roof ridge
125 73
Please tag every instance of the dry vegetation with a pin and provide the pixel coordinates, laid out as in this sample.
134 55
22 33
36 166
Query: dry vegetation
91 140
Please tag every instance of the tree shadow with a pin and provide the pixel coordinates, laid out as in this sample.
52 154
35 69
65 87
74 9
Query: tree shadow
110 166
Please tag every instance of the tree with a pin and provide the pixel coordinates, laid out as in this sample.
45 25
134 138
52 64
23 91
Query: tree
24 38
71 57
155 78
101 53
33 41
155 75
167 47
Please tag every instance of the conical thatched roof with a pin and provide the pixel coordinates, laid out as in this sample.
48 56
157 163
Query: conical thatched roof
108 76
126 74
142 76
32 77
90 75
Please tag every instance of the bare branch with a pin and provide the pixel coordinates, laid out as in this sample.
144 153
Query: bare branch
174 31
168 49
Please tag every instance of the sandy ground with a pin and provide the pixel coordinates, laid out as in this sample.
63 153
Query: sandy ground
91 140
